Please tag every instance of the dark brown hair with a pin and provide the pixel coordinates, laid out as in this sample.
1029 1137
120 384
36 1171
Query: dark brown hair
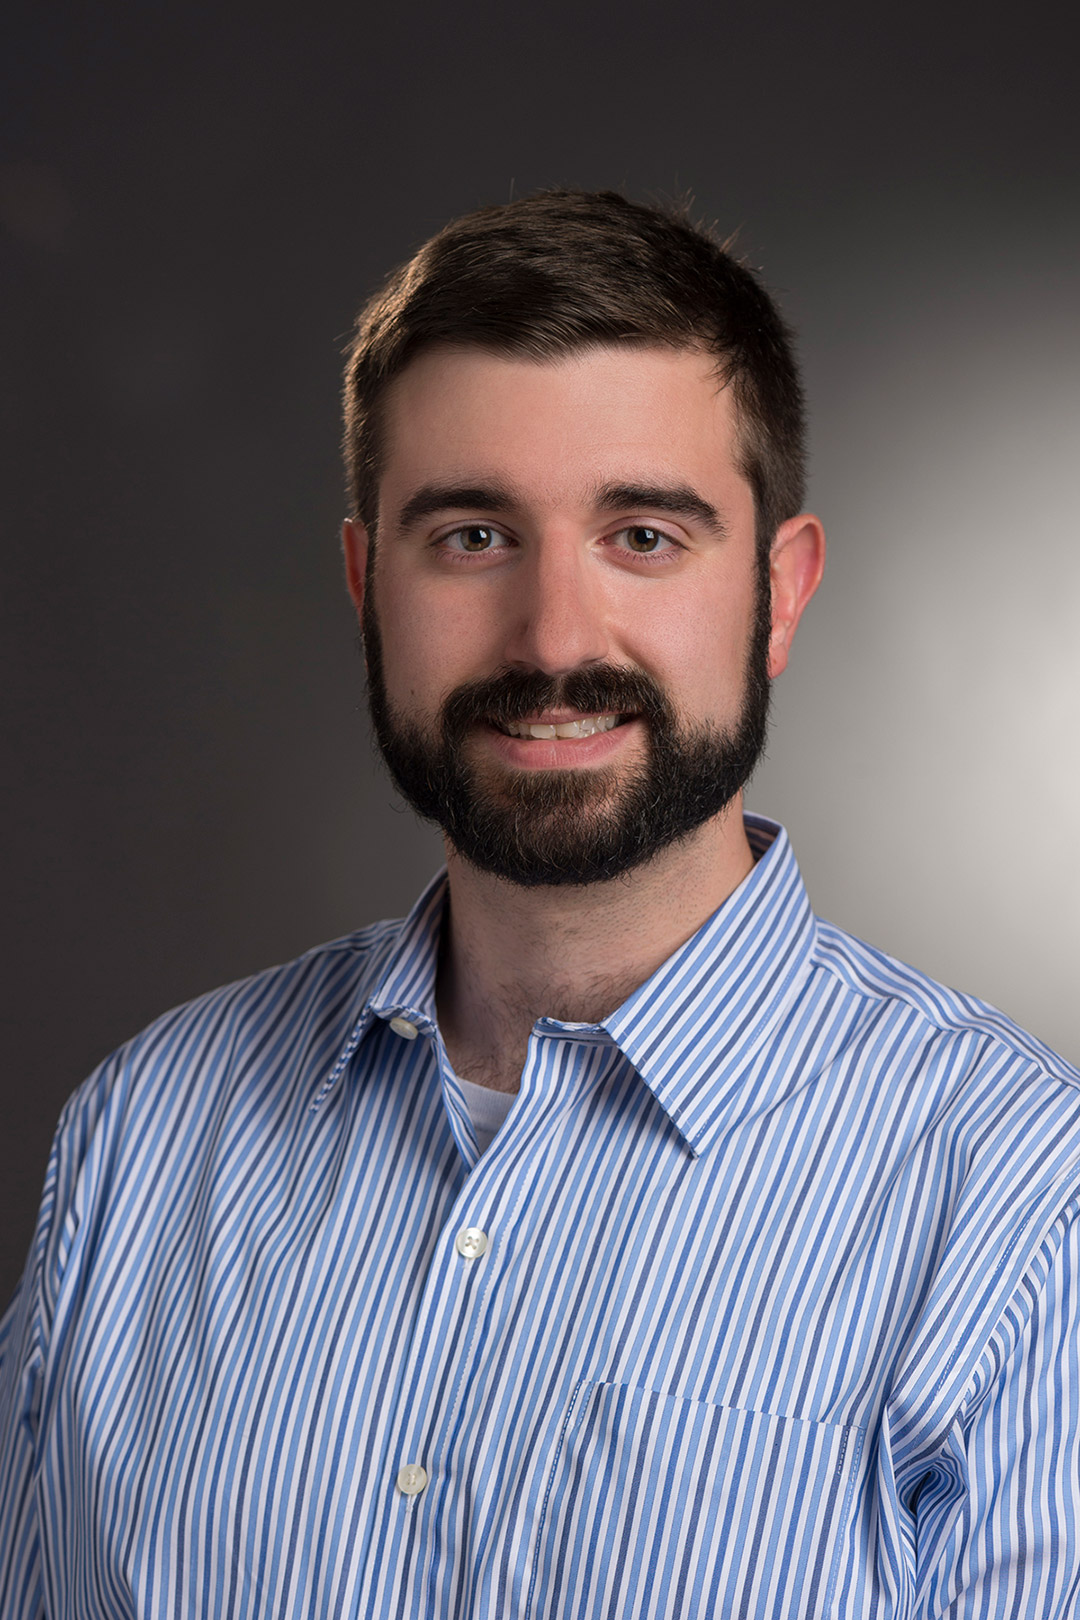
561 270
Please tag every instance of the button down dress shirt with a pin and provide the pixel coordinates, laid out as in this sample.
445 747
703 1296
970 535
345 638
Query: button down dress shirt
763 1302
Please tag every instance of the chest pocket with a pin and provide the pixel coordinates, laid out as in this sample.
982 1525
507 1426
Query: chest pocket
659 1508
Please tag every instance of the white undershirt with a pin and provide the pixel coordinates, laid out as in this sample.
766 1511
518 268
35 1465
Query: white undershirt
488 1110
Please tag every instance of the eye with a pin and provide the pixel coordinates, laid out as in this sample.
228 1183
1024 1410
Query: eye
644 541
473 538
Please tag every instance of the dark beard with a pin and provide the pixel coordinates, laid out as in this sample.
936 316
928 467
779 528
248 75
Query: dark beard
563 827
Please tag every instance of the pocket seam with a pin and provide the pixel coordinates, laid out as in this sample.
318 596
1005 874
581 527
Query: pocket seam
852 1436
567 1424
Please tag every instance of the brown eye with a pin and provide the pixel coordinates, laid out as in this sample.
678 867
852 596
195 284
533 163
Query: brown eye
644 540
475 537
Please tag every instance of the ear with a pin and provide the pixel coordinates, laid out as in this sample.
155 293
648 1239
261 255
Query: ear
796 564
354 544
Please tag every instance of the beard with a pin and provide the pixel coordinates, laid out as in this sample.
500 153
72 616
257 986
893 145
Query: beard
589 825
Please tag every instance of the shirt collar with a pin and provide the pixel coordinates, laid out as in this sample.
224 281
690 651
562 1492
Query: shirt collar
696 1031
406 986
397 979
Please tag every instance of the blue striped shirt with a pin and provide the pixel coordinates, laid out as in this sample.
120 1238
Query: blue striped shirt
764 1302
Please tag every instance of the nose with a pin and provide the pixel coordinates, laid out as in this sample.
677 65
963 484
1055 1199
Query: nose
557 619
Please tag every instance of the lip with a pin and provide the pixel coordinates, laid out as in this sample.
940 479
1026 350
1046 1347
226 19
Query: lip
560 753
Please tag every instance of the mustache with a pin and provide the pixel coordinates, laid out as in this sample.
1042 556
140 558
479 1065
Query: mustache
510 695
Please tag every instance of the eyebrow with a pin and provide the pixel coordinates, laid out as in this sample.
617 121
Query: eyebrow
676 500
430 498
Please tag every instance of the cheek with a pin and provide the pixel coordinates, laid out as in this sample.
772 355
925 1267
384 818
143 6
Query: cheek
425 654
408 669
698 652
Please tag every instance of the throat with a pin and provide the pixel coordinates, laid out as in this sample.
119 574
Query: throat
490 1047
484 1069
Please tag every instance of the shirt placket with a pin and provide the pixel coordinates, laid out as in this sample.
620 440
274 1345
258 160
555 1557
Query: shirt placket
415 1526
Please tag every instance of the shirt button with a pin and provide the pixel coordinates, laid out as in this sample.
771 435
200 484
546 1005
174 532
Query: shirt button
411 1479
471 1243
402 1026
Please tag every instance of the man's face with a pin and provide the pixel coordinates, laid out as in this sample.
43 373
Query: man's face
566 628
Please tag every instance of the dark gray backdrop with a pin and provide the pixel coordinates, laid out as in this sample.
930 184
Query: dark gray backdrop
195 198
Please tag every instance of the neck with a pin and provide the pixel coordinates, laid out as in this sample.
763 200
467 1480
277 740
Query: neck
513 955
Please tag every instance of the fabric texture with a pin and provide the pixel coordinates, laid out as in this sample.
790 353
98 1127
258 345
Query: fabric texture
763 1302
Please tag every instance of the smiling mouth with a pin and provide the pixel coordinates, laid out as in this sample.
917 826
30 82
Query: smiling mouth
587 726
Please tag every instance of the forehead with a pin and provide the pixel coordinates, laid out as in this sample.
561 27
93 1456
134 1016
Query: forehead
562 425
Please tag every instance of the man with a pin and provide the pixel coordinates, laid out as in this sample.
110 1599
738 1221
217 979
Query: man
612 1237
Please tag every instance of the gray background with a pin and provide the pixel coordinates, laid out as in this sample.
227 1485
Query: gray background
195 199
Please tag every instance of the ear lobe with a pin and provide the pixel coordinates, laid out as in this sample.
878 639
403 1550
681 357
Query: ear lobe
796 564
354 545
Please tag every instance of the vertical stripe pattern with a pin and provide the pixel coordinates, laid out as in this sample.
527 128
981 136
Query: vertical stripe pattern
776 1313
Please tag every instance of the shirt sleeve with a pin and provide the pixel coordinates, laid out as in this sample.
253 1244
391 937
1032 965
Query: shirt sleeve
996 1532
26 1335
21 1366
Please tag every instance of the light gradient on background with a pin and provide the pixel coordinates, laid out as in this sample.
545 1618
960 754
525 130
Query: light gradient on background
192 208
926 756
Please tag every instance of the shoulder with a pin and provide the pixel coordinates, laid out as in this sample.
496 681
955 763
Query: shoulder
979 1124
986 1109
205 1087
894 991
259 1043
328 980
203 1084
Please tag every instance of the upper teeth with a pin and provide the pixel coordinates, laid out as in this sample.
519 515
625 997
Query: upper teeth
587 726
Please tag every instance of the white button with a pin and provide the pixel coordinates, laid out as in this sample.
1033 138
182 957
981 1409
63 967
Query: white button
402 1026
471 1243
411 1479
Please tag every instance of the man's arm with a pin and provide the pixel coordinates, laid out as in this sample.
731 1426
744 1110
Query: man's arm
997 1533
26 1335
21 1365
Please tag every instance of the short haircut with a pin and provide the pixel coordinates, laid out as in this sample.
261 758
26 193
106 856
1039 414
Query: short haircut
564 270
